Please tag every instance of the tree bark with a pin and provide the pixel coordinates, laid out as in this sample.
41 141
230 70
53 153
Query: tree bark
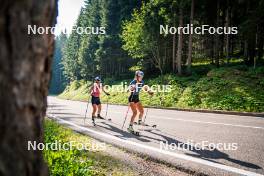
260 41
25 68
180 43
251 51
217 38
189 59
174 47
227 40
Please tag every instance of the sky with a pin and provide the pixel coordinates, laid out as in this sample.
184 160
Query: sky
68 11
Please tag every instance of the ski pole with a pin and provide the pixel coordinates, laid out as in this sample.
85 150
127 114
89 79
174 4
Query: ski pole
106 112
147 111
86 111
87 102
146 115
127 111
125 117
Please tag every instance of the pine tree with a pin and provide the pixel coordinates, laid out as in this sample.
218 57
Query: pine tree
57 84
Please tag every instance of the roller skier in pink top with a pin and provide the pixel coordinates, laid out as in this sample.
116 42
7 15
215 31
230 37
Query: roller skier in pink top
95 100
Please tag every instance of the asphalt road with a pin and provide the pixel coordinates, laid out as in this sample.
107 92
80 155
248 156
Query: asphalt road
237 142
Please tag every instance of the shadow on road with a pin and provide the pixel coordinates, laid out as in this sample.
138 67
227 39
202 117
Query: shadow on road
207 154
121 133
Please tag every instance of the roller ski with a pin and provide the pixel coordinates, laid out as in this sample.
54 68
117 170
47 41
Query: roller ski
100 117
132 131
143 124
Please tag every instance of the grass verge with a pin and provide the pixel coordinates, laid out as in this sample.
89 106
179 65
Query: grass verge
77 162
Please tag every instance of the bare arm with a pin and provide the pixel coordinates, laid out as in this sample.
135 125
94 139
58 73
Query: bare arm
103 89
91 89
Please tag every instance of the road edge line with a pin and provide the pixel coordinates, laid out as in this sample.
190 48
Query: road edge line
168 153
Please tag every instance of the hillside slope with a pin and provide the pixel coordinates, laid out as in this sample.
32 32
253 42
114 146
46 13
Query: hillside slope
232 89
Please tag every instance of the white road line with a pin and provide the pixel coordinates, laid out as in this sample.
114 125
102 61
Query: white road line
203 122
197 121
168 153
216 123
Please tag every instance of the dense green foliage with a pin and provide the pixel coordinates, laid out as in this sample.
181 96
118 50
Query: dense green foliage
215 90
86 55
76 162
243 91
64 162
133 38
133 41
58 80
142 38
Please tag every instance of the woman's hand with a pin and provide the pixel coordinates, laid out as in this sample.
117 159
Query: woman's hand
151 93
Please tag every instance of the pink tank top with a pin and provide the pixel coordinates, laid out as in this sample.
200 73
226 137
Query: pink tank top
96 90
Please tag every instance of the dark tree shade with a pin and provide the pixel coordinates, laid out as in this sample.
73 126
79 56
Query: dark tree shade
133 40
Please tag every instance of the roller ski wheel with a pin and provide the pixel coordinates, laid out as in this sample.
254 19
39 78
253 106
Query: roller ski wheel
142 124
132 131
93 121
136 133
100 117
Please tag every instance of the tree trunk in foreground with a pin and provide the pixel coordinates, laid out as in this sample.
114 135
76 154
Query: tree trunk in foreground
25 66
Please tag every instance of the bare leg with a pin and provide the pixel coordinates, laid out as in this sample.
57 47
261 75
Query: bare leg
134 111
99 109
141 110
94 110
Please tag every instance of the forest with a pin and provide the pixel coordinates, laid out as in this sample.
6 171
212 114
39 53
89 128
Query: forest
216 82
133 42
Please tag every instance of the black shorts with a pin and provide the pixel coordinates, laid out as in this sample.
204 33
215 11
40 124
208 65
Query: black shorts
96 100
133 98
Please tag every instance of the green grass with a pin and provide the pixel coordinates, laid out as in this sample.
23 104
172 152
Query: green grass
78 162
226 89
235 88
